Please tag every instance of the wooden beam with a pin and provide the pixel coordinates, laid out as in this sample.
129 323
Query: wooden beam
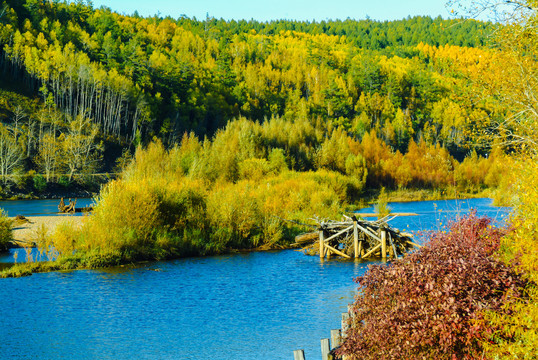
383 218
395 253
412 243
383 244
321 243
374 249
338 234
368 232
298 355
337 251
356 240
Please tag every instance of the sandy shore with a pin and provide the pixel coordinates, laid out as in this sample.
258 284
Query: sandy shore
25 234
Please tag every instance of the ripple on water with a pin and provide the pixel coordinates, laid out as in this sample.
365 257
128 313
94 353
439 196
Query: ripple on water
242 306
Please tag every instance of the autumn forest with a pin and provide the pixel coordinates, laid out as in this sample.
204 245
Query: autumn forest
203 136
380 102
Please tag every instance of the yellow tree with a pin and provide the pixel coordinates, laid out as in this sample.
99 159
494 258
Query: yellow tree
49 155
515 83
10 154
81 151
512 77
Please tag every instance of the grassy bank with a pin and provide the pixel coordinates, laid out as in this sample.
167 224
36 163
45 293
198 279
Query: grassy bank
5 231
233 192
408 195
157 211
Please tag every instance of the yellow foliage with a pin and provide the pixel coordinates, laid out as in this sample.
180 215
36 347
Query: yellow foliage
517 337
476 173
253 169
6 232
234 210
64 238
125 217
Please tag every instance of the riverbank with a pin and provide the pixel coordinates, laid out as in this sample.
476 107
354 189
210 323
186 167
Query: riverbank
49 195
25 234
175 246
24 190
408 195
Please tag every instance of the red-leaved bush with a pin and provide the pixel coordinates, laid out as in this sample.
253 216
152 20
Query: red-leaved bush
429 304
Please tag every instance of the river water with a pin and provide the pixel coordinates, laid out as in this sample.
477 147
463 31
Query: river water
39 207
260 305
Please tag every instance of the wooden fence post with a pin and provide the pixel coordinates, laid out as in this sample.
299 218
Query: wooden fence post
336 337
345 317
321 244
298 355
356 240
383 243
325 349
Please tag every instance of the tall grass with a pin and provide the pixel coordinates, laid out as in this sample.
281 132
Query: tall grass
6 232
164 207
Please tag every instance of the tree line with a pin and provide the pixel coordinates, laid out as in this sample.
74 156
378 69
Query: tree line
131 79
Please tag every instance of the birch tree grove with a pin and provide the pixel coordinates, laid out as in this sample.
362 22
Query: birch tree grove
76 85
50 155
81 152
10 153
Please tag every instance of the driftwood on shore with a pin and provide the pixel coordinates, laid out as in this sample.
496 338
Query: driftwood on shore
67 209
357 238
71 208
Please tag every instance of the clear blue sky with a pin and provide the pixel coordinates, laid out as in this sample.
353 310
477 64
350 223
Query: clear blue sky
280 9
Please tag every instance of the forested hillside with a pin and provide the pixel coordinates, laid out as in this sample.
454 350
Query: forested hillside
86 82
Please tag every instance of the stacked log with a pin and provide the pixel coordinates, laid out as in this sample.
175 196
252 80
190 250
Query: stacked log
359 238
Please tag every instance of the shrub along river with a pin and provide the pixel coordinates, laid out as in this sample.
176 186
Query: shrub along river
258 305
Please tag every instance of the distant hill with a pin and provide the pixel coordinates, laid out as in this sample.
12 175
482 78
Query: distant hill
129 79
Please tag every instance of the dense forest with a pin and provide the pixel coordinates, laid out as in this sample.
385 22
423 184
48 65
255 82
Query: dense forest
80 84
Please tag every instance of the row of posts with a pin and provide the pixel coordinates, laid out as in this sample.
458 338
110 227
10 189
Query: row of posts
357 245
335 341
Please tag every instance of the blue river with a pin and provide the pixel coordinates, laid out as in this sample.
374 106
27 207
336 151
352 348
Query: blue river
258 305
39 207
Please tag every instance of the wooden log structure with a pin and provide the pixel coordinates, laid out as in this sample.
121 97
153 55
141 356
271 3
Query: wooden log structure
71 208
358 238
